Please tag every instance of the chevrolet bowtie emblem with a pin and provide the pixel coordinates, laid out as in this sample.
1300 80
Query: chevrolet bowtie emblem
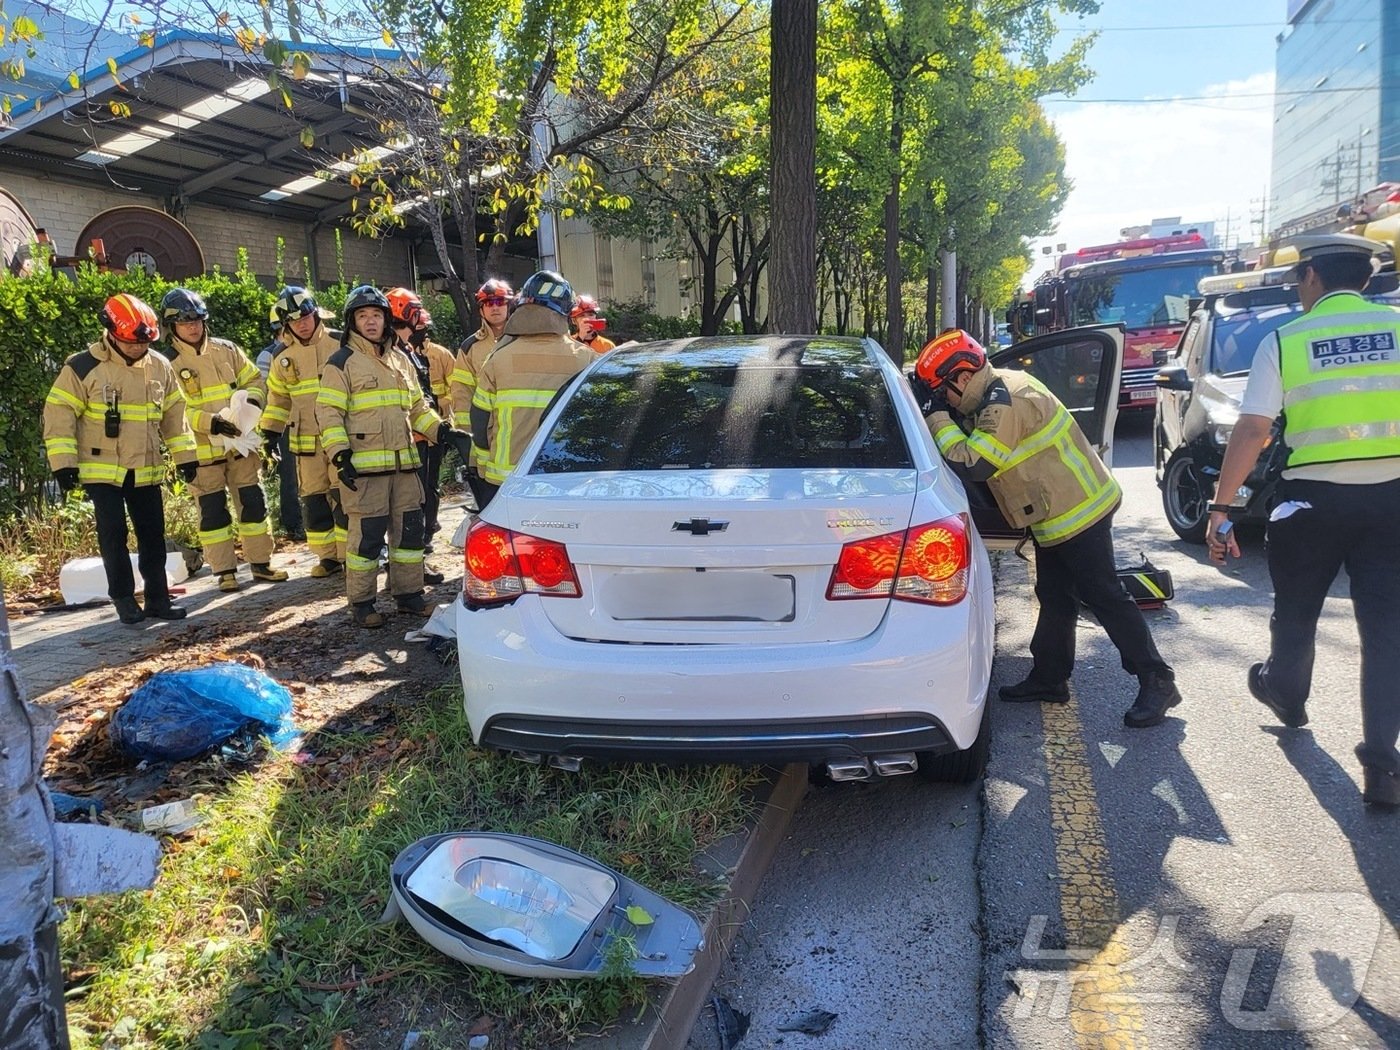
700 526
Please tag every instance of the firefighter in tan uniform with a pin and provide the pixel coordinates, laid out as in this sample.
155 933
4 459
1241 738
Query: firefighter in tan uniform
432 364
1015 435
368 407
493 299
209 370
522 375
110 409
293 382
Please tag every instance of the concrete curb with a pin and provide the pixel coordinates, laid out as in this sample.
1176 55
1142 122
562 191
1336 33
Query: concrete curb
666 1021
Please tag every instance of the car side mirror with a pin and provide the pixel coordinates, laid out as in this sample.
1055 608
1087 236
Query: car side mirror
1173 378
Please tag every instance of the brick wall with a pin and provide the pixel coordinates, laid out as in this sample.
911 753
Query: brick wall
64 208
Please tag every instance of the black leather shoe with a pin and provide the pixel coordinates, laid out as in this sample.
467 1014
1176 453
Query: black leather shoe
1293 717
1032 691
128 611
432 579
1380 789
165 610
1157 694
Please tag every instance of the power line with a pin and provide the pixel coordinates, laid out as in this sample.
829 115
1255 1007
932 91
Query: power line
1221 98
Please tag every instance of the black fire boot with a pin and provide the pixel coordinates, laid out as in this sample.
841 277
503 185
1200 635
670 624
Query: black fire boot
1034 691
164 610
366 615
1380 789
1157 694
128 611
1293 717
411 603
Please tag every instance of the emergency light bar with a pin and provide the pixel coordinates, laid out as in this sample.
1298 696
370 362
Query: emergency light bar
1223 284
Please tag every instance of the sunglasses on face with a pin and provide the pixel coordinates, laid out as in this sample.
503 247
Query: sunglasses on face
496 300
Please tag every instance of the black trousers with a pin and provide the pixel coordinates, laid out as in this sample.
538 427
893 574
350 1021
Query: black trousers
289 498
1356 526
112 503
1082 569
430 473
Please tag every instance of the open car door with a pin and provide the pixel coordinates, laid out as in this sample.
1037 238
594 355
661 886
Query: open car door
1080 366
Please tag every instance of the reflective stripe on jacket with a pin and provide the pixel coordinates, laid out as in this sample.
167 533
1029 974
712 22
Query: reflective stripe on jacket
1340 365
1046 474
515 386
208 375
147 397
292 385
370 402
469 359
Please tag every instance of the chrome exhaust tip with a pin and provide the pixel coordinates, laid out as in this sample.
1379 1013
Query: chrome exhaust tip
530 758
895 765
849 769
568 763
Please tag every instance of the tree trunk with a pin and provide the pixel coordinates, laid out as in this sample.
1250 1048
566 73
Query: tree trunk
894 272
931 296
31 980
792 269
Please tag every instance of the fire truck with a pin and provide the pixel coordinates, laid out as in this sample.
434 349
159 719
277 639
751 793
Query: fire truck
1145 285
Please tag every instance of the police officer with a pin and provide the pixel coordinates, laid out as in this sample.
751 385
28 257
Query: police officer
516 383
368 408
209 371
493 299
1335 375
110 409
588 326
293 382
1006 429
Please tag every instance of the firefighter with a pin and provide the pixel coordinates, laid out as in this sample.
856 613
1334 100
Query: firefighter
1334 373
493 299
368 407
292 384
516 383
209 370
110 409
278 455
433 364
1006 429
588 326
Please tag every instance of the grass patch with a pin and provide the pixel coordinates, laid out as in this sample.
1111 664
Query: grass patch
261 931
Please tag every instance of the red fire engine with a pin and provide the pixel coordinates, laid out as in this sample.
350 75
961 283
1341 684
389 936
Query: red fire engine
1144 284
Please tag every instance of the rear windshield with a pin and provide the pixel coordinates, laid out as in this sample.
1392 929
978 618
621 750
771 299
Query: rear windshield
672 415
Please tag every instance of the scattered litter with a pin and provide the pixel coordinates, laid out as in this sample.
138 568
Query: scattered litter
180 714
729 1022
174 817
814 1022
441 624
459 535
410 1040
67 806
478 1042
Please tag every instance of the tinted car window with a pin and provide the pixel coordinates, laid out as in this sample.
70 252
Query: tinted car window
1070 371
680 415
1237 336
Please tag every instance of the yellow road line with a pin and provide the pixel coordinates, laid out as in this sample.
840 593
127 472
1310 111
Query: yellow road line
1104 1014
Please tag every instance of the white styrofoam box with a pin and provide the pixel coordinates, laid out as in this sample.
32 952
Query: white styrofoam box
84 579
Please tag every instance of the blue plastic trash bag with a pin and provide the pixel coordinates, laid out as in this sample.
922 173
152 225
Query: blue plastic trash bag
180 714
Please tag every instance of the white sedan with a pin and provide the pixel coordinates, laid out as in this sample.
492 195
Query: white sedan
743 548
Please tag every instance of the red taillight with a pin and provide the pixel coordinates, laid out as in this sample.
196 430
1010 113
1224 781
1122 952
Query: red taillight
502 565
925 563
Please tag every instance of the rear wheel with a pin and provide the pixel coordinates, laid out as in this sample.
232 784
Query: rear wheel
961 767
1186 494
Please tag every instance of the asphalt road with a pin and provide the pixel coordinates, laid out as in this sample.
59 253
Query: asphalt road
1214 881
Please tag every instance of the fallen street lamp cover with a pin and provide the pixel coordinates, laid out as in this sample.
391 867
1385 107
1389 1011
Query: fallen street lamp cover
530 908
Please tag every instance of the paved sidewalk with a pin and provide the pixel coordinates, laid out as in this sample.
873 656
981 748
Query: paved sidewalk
55 649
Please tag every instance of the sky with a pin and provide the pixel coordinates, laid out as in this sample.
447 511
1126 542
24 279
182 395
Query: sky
1177 120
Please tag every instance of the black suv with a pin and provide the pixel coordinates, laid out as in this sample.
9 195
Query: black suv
1201 384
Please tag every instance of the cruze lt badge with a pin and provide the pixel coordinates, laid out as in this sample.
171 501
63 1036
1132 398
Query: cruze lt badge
859 523
535 523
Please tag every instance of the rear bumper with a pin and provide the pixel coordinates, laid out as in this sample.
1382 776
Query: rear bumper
738 742
917 683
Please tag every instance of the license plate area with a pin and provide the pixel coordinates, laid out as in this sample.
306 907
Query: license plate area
704 595
1141 395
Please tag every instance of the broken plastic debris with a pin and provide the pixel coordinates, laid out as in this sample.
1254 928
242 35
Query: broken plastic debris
729 1022
174 817
814 1022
